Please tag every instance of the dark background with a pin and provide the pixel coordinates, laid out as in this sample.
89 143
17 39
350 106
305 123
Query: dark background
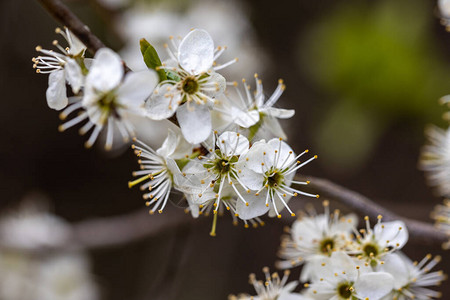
187 263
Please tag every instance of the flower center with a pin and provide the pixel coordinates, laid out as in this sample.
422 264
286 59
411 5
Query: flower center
345 290
221 165
190 85
108 105
326 245
274 179
370 250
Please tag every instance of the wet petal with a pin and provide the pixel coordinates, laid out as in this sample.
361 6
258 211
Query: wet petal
374 286
56 91
284 154
163 103
196 52
136 88
278 112
215 86
232 143
74 75
256 206
169 144
256 156
393 234
106 71
245 119
195 122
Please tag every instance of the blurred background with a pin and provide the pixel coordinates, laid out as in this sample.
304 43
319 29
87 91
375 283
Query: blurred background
364 77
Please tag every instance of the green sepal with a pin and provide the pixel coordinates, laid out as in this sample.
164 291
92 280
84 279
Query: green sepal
151 58
254 128
181 163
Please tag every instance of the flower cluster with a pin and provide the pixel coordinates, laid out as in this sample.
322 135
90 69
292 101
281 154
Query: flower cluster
341 262
229 152
435 161
107 96
32 264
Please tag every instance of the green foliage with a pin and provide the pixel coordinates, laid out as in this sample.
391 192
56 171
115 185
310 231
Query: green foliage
378 60
151 58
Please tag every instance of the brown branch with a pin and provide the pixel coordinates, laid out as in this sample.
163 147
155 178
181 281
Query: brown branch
419 231
63 15
124 229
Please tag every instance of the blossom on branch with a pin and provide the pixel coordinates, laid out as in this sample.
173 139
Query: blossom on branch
191 86
273 287
68 66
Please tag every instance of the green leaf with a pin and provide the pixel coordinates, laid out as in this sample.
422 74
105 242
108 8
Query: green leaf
151 58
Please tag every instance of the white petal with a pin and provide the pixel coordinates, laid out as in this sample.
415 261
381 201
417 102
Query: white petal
256 206
444 7
346 224
169 144
196 52
183 147
106 71
195 122
251 179
232 143
290 286
272 125
284 156
309 270
172 166
163 103
74 75
291 296
218 82
56 91
245 119
76 47
192 207
136 88
278 112
279 204
255 157
396 266
394 234
374 285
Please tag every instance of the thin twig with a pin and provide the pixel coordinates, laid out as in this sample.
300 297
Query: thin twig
62 14
419 231
124 229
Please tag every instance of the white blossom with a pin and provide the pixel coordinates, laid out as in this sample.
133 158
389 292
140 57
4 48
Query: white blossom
191 86
67 66
159 170
208 175
444 9
314 236
441 214
32 266
272 288
269 169
253 111
413 279
435 159
31 228
372 245
110 98
65 277
339 277
226 21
